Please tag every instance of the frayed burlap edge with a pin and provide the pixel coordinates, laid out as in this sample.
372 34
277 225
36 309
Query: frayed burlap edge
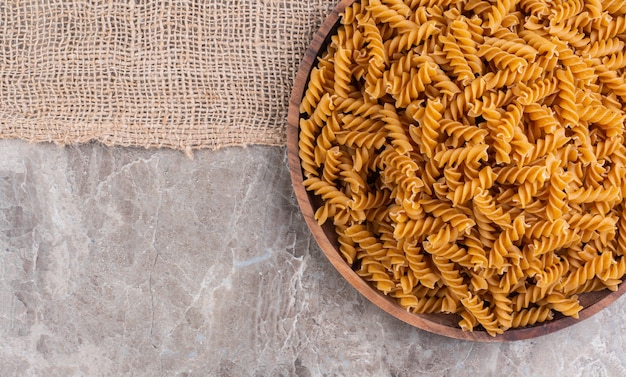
183 74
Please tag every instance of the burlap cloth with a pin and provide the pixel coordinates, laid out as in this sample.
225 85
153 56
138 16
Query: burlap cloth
183 74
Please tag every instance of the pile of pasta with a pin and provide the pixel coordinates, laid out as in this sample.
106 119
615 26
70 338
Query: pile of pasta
471 155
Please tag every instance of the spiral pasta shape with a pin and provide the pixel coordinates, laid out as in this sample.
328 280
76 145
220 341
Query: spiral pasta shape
610 121
527 317
615 272
537 8
360 139
326 191
588 271
466 99
567 306
389 16
460 30
530 295
589 221
461 133
552 275
373 38
497 13
515 47
501 58
430 126
546 228
502 309
566 10
470 155
343 75
512 277
450 251
395 130
544 245
612 80
489 100
538 91
374 272
346 245
603 48
500 133
615 61
468 190
568 31
590 194
614 7
476 306
314 92
543 45
331 170
417 228
475 250
575 63
504 244
458 62
420 305
519 175
420 268
452 279
485 204
448 214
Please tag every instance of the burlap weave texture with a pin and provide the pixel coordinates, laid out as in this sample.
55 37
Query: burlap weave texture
184 74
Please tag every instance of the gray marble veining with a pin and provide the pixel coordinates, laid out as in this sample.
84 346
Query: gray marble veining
119 261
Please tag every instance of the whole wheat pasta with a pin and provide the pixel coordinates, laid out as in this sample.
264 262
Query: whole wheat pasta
475 160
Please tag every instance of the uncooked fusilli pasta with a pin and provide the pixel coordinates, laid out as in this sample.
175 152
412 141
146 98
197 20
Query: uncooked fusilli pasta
471 154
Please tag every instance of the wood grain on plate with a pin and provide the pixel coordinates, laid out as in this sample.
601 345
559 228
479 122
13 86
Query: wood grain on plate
442 324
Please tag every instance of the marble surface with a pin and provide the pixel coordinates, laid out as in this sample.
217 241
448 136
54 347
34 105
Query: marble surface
119 261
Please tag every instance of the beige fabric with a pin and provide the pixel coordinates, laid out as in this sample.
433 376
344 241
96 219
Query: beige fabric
183 74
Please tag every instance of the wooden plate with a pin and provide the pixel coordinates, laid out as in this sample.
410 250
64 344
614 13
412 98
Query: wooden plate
442 324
